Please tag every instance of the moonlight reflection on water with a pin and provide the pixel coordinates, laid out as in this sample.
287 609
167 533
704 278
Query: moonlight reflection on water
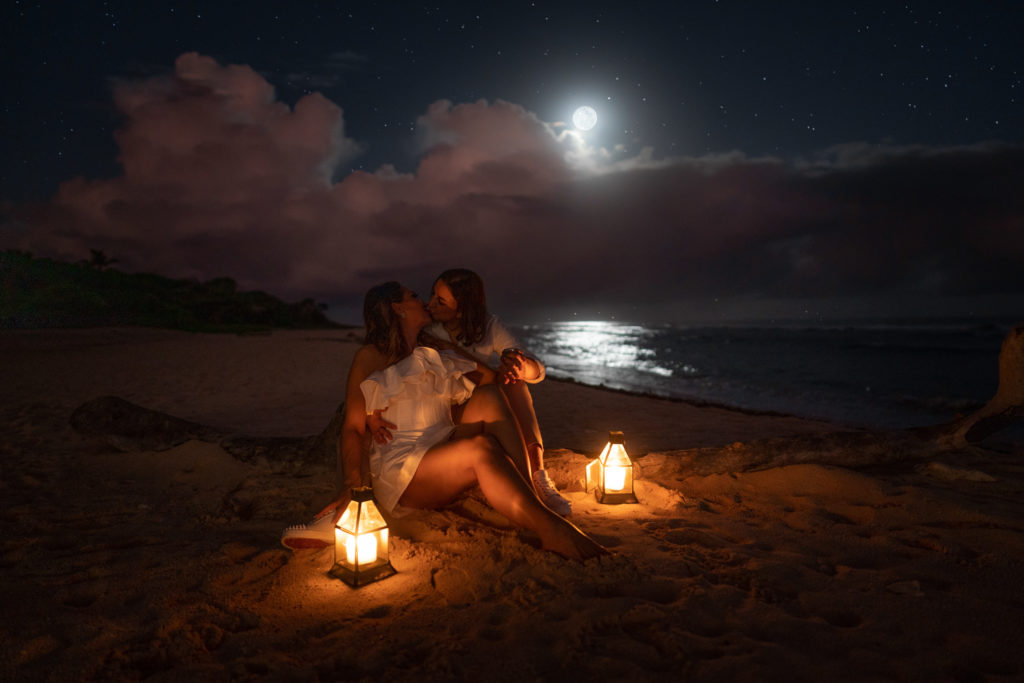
583 348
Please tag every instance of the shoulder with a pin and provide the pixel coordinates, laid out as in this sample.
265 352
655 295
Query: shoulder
368 359
497 333
493 324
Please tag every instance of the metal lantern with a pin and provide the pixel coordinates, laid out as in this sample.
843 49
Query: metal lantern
611 475
361 542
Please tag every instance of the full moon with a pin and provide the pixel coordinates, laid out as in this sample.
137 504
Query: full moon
584 118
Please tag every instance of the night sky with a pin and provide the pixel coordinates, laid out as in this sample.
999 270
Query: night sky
750 159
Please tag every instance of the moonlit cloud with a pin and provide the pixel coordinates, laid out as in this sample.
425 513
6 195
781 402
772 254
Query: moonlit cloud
221 179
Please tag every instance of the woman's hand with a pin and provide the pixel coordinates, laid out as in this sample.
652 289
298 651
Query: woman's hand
513 366
379 428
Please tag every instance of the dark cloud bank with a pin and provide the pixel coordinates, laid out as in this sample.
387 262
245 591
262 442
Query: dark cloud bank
219 178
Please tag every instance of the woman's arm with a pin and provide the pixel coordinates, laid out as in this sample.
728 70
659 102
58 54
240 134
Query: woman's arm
352 442
482 375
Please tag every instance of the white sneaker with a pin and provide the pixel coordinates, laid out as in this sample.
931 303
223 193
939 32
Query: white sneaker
549 495
317 534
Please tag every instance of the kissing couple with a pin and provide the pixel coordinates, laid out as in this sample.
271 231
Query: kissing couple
440 417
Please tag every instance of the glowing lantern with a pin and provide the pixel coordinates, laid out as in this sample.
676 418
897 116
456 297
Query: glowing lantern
361 542
611 475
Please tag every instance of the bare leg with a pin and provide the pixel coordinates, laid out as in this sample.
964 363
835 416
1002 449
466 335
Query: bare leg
489 405
520 402
450 468
493 406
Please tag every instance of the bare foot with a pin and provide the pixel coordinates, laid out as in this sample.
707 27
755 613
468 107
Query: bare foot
568 541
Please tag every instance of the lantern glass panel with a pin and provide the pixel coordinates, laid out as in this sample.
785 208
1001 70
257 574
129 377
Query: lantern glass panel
361 516
361 549
614 455
593 474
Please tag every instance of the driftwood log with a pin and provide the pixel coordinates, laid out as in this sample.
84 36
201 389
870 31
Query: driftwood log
1007 406
127 427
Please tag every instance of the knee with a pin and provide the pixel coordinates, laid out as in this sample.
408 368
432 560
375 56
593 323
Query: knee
484 443
486 405
487 449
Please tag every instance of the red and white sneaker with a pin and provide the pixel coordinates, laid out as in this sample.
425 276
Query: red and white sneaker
317 534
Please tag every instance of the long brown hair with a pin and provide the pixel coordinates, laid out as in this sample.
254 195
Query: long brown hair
468 290
382 328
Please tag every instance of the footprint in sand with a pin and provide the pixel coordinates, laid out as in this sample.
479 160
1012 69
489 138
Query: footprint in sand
607 540
248 565
454 585
842 619
378 612
693 537
80 599
942 545
664 592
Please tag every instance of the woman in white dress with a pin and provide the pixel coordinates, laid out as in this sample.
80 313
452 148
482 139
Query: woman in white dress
430 461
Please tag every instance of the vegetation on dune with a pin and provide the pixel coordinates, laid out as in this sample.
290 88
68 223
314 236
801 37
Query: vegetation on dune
41 292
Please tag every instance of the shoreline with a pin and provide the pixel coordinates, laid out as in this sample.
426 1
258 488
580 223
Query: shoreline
699 403
319 372
353 335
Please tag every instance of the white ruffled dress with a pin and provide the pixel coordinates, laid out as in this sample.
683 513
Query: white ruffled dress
418 392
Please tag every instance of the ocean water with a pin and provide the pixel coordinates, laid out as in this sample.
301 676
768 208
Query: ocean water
881 375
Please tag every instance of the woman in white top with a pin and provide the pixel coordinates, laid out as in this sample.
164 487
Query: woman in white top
458 306
429 461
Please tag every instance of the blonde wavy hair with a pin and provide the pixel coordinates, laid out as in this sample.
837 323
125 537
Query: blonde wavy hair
382 327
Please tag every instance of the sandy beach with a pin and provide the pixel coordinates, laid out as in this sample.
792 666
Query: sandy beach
835 557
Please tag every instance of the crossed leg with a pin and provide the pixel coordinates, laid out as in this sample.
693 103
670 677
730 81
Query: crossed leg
507 412
489 405
450 468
